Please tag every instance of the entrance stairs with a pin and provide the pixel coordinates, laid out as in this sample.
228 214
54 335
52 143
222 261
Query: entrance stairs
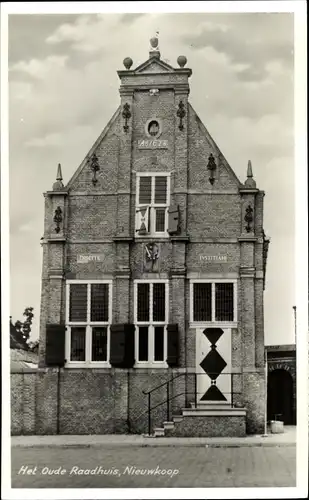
205 420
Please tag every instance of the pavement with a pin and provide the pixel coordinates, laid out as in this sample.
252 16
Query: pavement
288 438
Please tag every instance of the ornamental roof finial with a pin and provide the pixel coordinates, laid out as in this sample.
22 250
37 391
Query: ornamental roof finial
250 182
58 184
154 46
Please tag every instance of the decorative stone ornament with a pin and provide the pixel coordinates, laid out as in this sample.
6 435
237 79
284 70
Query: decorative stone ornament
58 219
211 167
95 167
126 114
181 113
151 252
154 92
127 62
248 218
182 61
154 42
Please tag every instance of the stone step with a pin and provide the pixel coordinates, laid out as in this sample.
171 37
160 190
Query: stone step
168 425
177 418
159 432
199 412
206 406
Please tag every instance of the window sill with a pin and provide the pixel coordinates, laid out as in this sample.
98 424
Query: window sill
89 364
146 364
214 324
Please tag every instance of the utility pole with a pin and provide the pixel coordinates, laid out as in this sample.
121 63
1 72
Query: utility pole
295 323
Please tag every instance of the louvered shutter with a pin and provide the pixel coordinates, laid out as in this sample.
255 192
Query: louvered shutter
142 220
173 219
160 189
172 345
122 346
55 345
144 190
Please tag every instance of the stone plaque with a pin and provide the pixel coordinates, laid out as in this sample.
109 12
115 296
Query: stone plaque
152 144
84 259
213 258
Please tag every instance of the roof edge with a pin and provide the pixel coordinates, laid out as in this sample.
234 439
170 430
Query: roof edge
93 148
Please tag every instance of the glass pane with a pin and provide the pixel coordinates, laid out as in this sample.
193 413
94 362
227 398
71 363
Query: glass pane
78 303
143 302
202 302
224 302
145 190
78 343
158 302
160 189
159 343
99 302
99 343
143 343
160 220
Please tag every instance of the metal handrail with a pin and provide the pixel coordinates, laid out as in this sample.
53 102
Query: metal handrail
168 398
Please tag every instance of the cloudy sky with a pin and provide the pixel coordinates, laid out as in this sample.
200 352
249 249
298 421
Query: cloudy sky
63 89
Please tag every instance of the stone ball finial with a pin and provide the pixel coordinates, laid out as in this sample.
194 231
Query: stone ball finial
154 42
127 62
182 61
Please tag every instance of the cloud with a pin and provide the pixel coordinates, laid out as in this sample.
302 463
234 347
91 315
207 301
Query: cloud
40 69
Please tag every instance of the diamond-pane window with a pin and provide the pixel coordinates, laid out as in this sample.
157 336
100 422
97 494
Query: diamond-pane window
158 301
151 315
159 343
202 302
224 301
99 302
88 319
78 344
99 343
143 343
152 197
78 303
143 302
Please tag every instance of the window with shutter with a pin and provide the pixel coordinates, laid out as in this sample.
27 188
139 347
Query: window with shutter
88 322
151 317
152 200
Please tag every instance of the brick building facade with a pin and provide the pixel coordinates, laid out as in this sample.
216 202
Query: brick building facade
154 261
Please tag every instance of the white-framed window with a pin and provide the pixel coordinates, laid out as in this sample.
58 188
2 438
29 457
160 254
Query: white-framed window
152 202
213 301
88 319
151 320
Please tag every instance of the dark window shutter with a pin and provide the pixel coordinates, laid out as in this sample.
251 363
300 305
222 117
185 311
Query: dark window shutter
172 345
173 219
55 345
122 346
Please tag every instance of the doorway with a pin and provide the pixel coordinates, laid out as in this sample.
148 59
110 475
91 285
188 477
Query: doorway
280 396
213 365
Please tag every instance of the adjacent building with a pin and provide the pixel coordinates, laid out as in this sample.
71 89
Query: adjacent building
154 259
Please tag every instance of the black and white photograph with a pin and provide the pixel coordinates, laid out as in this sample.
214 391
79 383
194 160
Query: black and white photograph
154 250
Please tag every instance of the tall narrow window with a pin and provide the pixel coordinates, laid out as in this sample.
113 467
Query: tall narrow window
202 302
152 204
151 313
224 300
88 322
